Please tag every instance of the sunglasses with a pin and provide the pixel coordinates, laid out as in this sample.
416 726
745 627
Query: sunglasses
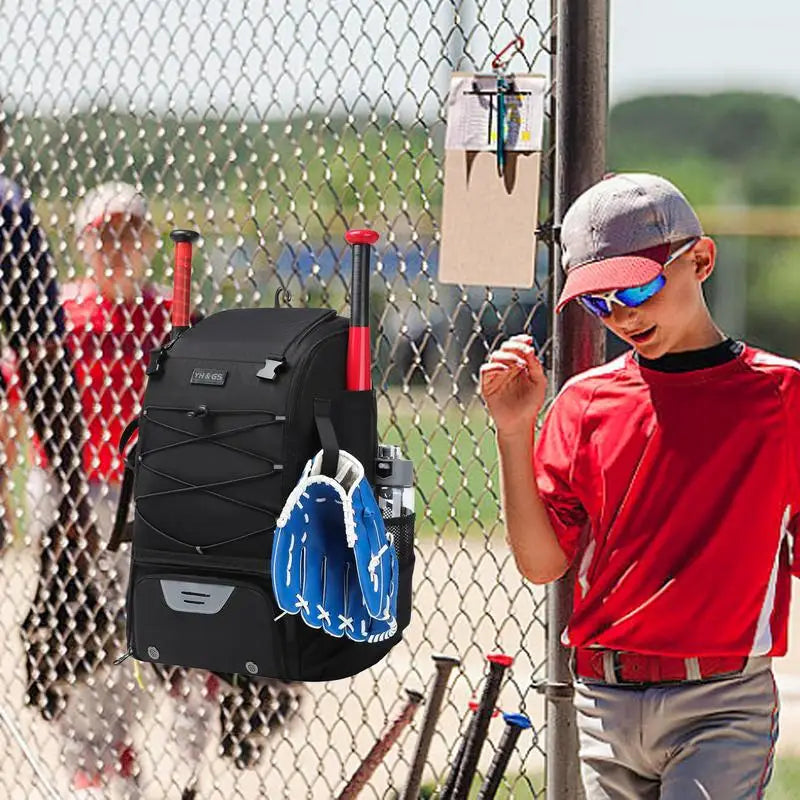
600 304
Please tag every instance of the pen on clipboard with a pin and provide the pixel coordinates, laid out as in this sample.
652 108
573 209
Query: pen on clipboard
499 65
501 123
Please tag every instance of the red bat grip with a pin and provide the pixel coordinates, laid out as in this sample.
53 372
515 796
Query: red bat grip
359 360
182 290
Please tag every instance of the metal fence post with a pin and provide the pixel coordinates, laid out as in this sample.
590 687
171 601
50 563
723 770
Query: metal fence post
579 342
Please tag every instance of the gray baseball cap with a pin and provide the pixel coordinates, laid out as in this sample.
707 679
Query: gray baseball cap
618 233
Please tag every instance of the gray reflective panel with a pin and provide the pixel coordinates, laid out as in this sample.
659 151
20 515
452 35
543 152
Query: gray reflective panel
195 598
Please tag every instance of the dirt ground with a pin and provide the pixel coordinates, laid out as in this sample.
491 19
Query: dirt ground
469 600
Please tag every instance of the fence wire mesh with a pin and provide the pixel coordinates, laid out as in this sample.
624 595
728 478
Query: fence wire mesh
271 128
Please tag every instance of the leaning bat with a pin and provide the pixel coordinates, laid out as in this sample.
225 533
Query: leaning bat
498 664
381 747
444 666
447 791
515 724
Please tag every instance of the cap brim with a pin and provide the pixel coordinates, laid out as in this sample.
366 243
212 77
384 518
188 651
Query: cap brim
610 273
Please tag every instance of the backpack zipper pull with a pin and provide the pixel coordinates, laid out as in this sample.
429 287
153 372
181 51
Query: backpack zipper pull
126 655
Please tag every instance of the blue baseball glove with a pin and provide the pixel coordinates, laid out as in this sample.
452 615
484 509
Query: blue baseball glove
333 561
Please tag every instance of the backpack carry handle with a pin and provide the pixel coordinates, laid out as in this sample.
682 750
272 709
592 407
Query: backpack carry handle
359 357
183 278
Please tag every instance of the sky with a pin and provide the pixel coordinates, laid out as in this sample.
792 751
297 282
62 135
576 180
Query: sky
703 45
272 57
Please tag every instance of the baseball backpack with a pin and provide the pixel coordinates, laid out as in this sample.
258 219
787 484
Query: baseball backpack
235 406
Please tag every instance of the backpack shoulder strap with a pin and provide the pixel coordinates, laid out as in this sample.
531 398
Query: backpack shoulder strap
121 532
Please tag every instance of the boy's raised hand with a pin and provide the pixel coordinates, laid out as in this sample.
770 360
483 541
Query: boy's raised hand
513 385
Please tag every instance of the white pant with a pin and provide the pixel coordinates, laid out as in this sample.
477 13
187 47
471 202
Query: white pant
102 710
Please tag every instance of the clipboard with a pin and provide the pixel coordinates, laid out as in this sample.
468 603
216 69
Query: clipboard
489 219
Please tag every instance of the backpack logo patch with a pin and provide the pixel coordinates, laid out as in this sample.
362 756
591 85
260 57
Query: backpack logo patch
209 377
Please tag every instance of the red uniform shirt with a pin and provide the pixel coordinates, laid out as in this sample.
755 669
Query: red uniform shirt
110 342
677 494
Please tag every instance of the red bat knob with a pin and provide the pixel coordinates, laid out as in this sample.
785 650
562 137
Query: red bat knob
500 658
361 236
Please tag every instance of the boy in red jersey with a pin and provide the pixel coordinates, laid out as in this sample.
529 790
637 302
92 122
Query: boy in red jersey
670 479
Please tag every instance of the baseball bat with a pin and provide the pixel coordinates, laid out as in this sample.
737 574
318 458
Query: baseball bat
515 724
498 664
184 240
444 666
359 357
447 790
381 747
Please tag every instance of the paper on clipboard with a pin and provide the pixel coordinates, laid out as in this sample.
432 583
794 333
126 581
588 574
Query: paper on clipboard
472 113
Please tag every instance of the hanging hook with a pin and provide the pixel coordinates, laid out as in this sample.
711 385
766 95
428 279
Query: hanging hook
284 293
517 43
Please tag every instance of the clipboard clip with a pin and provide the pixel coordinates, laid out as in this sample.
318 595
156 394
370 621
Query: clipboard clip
498 63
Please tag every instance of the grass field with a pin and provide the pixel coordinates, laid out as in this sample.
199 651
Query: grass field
785 784
455 460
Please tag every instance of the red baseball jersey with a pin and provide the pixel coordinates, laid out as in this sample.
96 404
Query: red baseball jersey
110 342
677 495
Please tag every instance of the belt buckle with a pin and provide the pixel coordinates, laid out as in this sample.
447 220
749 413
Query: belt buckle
616 669
612 664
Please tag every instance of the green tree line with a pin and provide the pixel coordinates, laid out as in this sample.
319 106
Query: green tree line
306 176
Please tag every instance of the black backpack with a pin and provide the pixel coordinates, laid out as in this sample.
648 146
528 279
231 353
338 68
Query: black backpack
234 407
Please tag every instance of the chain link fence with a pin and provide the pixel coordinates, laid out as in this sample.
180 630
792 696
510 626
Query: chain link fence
271 128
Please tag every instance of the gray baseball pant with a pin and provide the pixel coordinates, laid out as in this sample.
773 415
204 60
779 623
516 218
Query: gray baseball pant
705 740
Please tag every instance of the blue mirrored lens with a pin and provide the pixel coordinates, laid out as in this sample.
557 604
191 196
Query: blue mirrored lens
597 305
636 295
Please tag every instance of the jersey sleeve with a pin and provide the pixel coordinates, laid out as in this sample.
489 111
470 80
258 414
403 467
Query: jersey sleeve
794 418
792 399
554 462
30 309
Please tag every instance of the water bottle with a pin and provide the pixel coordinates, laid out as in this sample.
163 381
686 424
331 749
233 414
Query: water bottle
394 482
